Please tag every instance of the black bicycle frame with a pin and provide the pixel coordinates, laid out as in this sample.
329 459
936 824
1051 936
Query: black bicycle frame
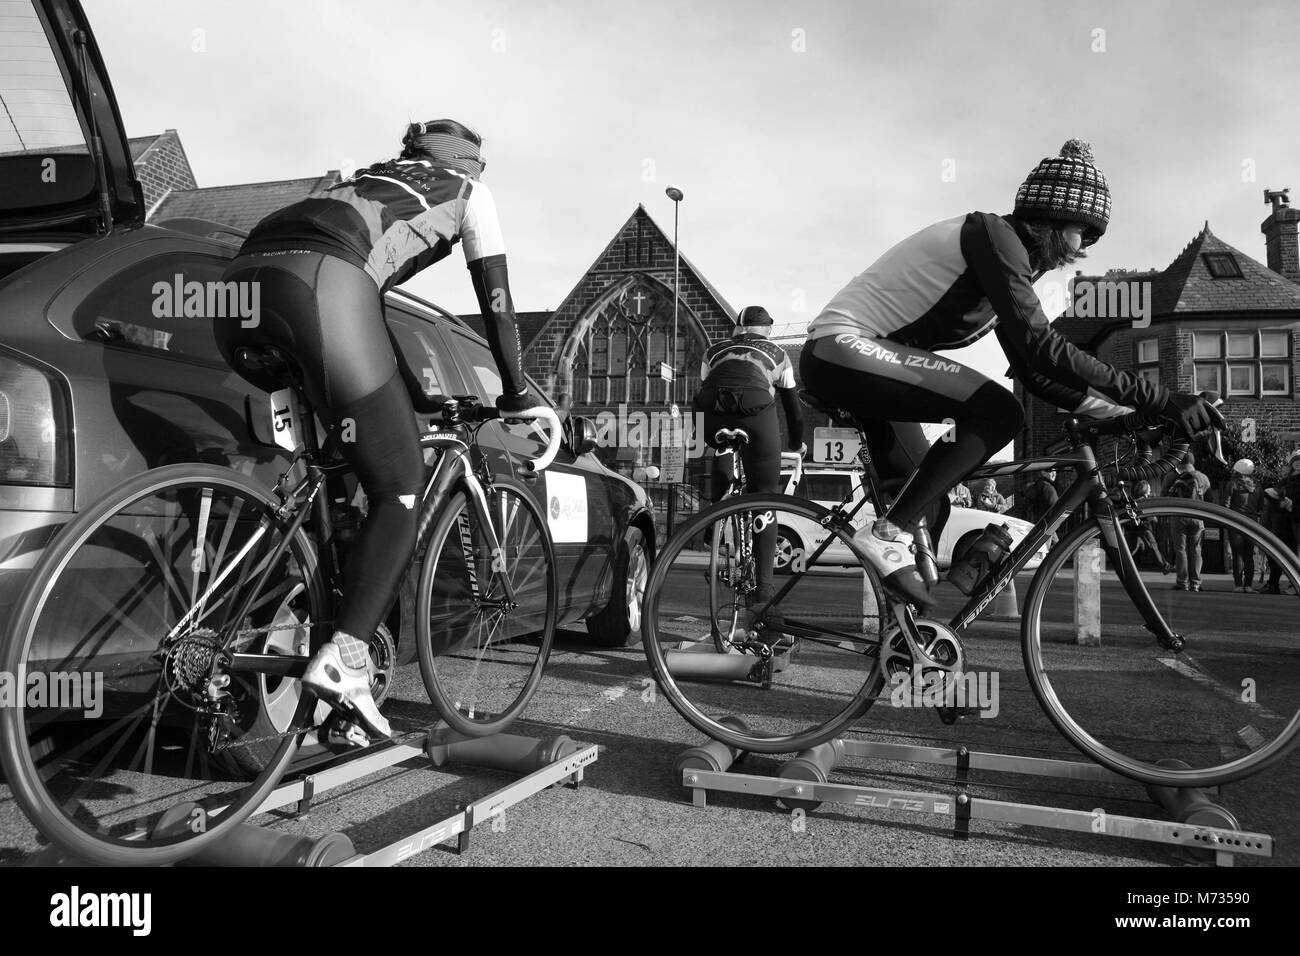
1089 488
452 465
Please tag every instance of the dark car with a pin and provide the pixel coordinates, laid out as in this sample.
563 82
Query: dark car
103 374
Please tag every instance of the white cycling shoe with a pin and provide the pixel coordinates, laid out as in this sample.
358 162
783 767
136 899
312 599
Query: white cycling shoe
346 689
889 549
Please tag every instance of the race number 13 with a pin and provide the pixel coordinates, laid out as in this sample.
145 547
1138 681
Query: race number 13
833 446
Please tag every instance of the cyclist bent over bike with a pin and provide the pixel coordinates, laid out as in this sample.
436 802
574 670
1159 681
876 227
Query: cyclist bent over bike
323 265
871 350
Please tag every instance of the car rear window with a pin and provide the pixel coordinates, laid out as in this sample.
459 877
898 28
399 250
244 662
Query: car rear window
44 159
163 304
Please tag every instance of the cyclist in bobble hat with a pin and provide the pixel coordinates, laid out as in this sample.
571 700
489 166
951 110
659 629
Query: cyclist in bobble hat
872 349
324 264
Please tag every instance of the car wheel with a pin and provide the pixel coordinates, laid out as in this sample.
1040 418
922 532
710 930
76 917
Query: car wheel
788 544
619 624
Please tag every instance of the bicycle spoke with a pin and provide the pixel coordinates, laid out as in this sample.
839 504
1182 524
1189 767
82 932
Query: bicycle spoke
1230 697
793 669
125 604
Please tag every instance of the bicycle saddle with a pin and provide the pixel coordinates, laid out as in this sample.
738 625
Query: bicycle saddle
817 405
725 435
266 364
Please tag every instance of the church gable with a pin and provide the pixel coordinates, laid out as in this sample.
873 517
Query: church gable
638 260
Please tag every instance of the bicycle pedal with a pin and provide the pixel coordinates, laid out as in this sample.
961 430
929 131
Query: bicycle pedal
950 715
345 734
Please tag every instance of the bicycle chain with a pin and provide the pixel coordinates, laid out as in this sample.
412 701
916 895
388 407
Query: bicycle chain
243 637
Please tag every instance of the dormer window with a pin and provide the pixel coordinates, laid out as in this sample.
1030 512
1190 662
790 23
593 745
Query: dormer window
1222 265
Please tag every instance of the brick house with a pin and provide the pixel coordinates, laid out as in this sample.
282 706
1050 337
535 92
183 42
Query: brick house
171 191
161 166
1214 319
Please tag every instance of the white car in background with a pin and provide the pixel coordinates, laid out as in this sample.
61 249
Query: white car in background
828 487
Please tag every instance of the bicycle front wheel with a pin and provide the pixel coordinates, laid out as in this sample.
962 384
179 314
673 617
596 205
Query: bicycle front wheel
485 615
784 676
111 750
1227 705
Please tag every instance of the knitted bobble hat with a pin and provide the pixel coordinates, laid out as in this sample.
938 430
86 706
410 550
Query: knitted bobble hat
1068 188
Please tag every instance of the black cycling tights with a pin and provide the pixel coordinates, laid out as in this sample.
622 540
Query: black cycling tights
891 388
328 315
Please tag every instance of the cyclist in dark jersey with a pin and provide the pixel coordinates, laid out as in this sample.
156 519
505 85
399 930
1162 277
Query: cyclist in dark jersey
872 350
323 265
742 378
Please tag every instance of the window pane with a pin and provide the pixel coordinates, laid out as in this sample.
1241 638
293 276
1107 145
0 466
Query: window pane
1207 345
1222 265
1275 379
1241 344
1151 375
599 353
617 352
166 304
44 157
1149 350
1241 379
656 349
419 349
1275 344
1208 378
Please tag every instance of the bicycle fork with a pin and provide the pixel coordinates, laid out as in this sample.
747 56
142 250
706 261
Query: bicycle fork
1115 546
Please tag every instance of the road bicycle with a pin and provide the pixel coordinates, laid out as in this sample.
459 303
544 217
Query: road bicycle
1133 672
196 596
731 572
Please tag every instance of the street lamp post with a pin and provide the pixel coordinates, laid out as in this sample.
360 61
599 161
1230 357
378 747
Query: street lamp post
676 195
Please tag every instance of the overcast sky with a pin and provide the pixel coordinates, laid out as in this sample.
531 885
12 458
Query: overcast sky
808 137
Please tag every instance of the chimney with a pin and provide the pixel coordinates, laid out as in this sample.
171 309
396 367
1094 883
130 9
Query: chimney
1279 231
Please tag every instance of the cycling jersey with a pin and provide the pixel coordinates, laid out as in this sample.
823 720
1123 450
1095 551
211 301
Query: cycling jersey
953 282
392 219
747 361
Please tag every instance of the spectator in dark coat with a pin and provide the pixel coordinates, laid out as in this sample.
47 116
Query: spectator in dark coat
1245 498
1192 484
1041 496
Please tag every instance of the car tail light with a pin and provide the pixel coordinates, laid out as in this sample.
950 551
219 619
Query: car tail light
35 437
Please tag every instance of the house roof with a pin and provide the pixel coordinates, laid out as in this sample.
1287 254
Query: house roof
139 144
1185 288
241 206
528 323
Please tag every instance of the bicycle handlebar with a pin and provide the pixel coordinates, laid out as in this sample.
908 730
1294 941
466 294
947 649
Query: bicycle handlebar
1132 424
553 439
552 416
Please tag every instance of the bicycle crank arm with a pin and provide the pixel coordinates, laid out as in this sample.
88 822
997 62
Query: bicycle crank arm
280 665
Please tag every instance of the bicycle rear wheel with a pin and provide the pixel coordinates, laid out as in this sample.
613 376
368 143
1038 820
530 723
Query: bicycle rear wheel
482 652
117 626
1227 705
731 578
823 632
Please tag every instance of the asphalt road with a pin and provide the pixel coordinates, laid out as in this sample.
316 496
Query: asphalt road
630 811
